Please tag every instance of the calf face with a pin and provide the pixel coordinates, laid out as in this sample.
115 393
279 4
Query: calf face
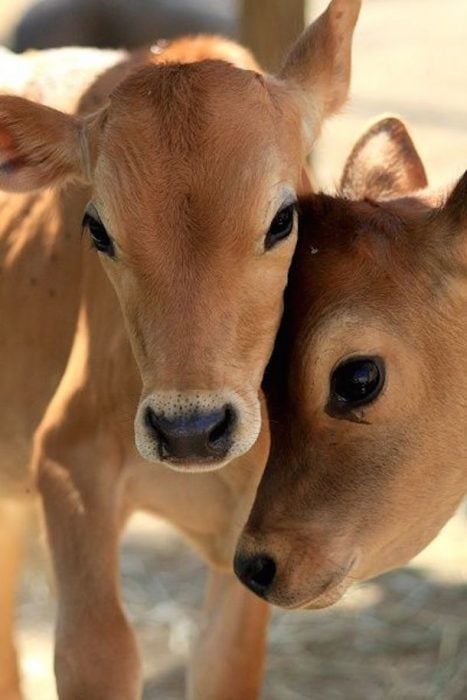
195 170
368 383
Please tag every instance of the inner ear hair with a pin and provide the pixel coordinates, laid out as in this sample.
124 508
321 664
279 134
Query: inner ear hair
384 163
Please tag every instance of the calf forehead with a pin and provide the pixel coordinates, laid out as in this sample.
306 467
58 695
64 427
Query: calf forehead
182 101
188 131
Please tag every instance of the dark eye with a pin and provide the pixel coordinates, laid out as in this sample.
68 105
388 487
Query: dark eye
281 226
99 236
356 382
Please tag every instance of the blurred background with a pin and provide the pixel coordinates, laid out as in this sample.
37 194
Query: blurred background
404 635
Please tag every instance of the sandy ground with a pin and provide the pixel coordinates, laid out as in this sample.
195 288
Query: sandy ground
403 636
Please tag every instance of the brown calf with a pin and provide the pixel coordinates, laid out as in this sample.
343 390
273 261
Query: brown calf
188 176
367 388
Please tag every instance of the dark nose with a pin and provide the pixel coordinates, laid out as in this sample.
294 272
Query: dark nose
196 436
256 572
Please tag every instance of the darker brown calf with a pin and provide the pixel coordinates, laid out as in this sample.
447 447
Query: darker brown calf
368 383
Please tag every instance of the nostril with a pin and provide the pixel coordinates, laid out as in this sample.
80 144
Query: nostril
149 417
256 572
152 420
262 571
223 428
154 423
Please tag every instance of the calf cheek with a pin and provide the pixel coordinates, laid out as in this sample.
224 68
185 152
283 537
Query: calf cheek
353 481
417 504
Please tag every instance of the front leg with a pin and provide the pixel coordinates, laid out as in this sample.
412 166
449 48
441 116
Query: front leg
96 657
229 656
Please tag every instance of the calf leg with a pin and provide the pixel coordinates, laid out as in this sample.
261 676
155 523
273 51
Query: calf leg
96 656
229 656
13 518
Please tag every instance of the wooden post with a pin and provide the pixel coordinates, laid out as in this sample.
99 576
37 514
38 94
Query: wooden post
268 28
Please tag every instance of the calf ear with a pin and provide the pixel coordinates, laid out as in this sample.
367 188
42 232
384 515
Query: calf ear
319 63
383 163
39 146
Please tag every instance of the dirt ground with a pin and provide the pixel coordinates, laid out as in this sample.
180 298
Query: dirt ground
404 635
400 637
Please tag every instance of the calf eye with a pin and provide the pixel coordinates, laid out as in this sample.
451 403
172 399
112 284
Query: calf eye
356 382
281 226
99 236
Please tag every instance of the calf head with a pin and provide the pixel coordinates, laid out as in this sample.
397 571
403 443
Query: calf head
367 387
195 170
